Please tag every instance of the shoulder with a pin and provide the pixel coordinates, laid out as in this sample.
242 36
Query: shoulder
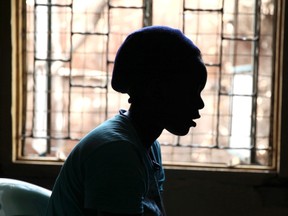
115 129
115 133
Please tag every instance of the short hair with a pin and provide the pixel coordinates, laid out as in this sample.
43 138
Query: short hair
155 51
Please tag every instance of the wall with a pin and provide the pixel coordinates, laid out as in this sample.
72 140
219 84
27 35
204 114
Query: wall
220 194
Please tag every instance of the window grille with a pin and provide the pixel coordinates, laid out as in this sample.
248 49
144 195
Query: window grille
70 49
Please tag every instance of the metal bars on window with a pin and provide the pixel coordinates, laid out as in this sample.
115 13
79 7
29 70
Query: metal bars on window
71 47
70 50
234 130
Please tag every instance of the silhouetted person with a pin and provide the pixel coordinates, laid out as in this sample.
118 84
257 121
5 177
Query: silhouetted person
116 169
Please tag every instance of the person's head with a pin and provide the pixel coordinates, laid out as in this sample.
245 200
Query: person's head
160 68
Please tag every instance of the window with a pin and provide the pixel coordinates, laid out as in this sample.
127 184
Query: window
68 53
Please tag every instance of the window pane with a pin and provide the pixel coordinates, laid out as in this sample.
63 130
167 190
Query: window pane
70 49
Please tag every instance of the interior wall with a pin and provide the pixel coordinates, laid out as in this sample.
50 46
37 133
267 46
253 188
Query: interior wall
205 194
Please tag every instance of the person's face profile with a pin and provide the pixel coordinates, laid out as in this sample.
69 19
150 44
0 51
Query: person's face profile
182 101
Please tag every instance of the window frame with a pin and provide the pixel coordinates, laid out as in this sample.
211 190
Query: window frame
13 166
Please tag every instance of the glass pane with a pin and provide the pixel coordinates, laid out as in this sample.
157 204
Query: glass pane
70 49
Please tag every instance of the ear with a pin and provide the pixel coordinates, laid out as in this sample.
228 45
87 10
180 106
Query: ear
155 90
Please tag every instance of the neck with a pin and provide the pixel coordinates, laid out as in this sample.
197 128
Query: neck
146 125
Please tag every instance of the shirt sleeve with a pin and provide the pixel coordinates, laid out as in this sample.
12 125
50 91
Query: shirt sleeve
115 179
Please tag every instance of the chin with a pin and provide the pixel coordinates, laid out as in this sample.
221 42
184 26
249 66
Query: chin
179 132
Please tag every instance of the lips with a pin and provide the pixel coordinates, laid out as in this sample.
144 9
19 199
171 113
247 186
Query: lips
193 123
